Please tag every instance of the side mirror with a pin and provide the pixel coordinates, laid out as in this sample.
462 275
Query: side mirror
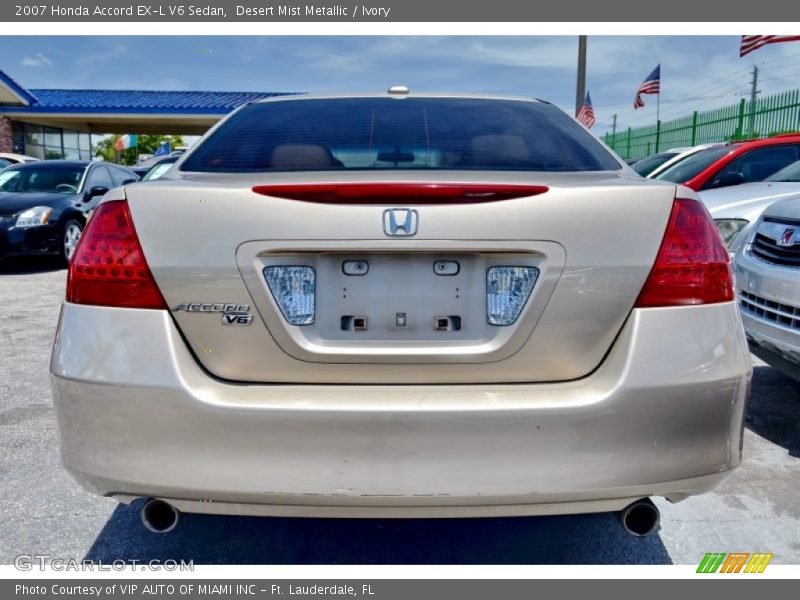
728 179
98 190
129 181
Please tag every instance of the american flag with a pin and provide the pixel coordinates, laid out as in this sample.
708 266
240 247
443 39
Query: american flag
751 43
586 113
651 85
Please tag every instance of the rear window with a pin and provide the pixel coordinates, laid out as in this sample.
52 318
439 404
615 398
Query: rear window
650 164
691 167
787 174
392 133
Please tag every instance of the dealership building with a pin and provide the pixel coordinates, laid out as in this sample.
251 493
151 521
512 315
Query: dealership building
59 123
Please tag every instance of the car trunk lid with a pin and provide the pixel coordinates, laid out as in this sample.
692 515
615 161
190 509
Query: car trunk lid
591 238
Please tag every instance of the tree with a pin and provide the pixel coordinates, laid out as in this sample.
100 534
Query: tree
146 144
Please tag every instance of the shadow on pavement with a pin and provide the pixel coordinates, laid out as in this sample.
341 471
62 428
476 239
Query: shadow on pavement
30 266
774 409
206 539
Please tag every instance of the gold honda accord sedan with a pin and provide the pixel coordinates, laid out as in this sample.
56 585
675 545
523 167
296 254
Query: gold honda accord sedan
400 305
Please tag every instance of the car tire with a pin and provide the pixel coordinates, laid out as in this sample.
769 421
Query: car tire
70 234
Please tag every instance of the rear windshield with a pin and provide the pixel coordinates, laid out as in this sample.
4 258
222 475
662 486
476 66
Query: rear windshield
691 167
650 164
787 174
157 170
407 133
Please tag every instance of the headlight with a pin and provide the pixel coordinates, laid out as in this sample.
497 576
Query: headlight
507 291
730 228
293 289
34 217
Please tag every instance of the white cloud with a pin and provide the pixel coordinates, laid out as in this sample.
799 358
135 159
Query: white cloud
104 51
37 60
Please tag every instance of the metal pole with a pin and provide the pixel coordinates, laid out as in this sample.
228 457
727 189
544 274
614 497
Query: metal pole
614 125
658 107
753 93
580 92
658 120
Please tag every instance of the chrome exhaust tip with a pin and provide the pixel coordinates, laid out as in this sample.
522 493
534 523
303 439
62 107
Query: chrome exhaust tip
159 516
640 518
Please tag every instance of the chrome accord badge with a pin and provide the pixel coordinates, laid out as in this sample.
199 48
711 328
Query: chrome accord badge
232 314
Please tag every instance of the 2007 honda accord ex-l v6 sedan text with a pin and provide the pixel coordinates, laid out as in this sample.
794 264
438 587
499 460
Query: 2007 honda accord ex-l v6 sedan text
400 305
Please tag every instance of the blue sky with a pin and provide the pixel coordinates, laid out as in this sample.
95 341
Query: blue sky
698 72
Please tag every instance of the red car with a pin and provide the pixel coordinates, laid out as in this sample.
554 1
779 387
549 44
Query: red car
735 163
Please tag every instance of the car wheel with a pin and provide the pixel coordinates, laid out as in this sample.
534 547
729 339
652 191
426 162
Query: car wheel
70 236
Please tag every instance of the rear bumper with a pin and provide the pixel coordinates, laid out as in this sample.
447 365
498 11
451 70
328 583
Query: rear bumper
663 415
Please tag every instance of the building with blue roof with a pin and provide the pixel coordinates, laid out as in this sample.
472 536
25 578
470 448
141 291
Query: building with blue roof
58 123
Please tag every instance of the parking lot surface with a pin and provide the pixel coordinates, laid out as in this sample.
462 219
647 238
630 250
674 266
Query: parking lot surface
44 511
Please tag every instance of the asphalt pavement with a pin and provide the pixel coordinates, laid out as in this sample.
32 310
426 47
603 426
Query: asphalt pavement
43 511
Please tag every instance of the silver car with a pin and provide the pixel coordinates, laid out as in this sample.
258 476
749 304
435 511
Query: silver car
679 155
736 207
400 305
768 286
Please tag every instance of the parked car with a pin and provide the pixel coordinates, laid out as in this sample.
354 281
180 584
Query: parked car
647 165
44 204
735 208
768 286
12 158
681 154
734 164
4 163
157 170
400 305
140 170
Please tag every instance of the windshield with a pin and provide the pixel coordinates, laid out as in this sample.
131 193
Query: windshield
158 170
648 165
400 133
692 166
64 180
790 173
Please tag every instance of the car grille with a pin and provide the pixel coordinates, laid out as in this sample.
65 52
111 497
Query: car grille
766 247
782 314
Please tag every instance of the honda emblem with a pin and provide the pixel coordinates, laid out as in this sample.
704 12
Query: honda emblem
400 222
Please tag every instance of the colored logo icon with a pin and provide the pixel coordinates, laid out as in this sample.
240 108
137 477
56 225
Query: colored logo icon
734 562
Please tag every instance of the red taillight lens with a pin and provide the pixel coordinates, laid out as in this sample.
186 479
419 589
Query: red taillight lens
108 267
692 266
382 193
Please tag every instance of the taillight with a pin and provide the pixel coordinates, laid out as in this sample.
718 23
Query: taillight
692 266
108 267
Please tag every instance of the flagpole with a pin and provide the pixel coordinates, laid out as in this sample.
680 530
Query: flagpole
658 119
658 106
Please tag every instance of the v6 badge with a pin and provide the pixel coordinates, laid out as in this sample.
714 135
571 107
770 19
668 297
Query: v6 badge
237 319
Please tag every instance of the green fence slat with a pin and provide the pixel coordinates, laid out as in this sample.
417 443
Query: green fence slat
768 115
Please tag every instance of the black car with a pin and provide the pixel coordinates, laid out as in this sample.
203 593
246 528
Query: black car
44 204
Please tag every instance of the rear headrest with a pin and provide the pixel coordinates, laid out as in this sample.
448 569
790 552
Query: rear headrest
503 149
302 157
